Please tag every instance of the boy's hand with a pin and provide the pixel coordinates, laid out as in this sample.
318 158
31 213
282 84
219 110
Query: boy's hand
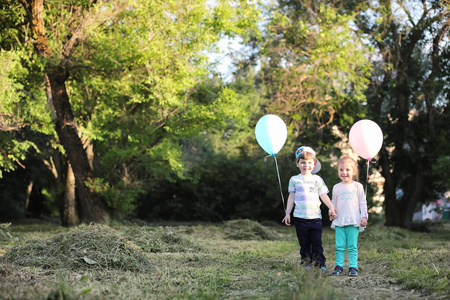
363 222
287 220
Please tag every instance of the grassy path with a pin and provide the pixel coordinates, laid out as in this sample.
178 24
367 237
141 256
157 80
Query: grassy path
234 260
399 264
374 285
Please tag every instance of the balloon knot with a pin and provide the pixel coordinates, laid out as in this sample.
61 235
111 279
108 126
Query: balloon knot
265 158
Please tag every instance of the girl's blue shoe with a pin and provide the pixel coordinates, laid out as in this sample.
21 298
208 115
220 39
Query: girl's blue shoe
353 272
337 271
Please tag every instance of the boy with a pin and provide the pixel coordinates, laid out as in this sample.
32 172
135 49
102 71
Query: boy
305 189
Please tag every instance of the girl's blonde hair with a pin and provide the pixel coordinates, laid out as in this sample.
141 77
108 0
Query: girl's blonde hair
352 162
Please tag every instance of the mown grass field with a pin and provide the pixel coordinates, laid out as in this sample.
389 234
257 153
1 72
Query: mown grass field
239 259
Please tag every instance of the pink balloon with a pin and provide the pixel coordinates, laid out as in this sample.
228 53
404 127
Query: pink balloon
366 138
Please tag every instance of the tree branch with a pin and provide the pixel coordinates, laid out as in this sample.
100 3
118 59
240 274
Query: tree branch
34 10
77 34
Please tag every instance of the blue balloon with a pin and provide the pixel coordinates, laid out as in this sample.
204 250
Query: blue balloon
271 133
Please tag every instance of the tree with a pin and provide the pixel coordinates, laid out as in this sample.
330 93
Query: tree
56 72
408 97
118 78
315 69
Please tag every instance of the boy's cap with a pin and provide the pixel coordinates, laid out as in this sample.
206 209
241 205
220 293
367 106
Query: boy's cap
302 149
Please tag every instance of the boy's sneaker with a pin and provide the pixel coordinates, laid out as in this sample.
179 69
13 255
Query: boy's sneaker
337 271
305 264
322 268
352 272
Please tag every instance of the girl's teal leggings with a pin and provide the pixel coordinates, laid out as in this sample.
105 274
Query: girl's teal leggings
347 237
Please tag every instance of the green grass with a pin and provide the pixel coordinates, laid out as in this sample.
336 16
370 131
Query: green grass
234 260
417 260
422 269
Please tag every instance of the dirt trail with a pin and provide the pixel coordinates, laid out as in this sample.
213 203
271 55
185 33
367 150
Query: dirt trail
373 285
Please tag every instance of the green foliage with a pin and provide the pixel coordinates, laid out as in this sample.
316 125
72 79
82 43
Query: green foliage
25 133
316 67
169 137
225 188
136 81
13 151
11 75
12 113
12 17
141 96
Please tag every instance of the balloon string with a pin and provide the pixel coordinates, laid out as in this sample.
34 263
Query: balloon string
279 180
367 176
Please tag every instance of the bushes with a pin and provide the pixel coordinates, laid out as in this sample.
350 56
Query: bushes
226 188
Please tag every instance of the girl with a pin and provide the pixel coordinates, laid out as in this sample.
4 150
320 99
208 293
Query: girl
351 207
305 189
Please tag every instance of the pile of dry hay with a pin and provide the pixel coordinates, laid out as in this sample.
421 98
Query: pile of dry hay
248 230
95 246
160 240
5 235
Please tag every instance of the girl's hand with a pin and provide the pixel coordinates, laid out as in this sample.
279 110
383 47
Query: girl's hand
332 214
363 222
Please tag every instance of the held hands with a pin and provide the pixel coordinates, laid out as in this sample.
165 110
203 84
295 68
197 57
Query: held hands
363 222
332 214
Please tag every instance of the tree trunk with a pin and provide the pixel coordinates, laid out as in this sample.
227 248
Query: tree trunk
390 200
68 213
29 189
65 185
399 212
92 206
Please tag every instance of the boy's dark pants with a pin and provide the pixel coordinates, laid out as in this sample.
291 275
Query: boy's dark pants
309 234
